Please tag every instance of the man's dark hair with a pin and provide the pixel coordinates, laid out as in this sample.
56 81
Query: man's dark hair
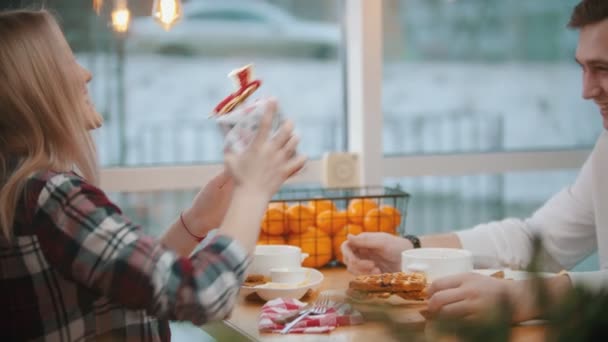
588 12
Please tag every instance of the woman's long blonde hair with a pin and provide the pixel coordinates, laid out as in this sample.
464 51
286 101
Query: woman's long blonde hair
43 109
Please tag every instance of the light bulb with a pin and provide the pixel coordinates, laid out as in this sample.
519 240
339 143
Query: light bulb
97 5
121 16
167 12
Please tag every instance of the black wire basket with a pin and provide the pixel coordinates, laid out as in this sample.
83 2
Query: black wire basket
318 220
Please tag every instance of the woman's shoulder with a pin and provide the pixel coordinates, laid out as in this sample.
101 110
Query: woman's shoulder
47 182
50 189
47 187
56 178
50 180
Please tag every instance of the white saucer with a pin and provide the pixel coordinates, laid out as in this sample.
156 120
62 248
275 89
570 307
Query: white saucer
269 291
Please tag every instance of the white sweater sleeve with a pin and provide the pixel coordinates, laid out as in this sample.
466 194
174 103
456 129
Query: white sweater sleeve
565 224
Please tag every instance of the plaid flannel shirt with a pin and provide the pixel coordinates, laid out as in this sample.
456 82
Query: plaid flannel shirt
76 269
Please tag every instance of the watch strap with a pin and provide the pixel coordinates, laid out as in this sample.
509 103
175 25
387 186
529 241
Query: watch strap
414 240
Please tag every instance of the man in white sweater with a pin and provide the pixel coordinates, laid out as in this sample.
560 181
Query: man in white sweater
572 224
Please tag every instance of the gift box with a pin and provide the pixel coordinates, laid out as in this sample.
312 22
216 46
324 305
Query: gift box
241 125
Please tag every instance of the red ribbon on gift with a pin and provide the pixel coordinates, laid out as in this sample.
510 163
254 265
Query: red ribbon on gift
245 87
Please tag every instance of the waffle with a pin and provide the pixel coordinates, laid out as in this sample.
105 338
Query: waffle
389 282
409 286
255 280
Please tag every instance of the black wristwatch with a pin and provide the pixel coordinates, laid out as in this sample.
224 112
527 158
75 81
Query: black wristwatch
414 240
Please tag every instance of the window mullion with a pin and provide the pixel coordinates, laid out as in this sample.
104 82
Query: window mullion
363 30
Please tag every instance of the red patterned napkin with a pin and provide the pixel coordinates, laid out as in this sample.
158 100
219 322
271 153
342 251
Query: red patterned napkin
313 324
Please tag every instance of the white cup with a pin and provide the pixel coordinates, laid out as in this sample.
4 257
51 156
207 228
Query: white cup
436 263
288 275
266 257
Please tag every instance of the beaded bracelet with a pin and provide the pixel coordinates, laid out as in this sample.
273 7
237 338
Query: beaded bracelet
197 238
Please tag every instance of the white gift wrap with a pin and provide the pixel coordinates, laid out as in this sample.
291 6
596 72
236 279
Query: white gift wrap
241 124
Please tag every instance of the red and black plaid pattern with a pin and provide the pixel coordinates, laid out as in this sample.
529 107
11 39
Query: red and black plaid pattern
77 269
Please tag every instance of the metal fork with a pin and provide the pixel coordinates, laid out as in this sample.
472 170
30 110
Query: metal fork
321 305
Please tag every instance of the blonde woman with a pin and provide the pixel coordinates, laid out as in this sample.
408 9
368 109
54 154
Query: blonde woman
72 267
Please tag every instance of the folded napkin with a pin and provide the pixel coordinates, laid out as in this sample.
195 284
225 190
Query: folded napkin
313 324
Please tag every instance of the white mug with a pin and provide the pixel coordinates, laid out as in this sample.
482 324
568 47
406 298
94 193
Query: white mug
436 263
266 257
288 275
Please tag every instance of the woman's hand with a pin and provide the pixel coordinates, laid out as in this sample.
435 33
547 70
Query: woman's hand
373 253
267 162
210 204
258 172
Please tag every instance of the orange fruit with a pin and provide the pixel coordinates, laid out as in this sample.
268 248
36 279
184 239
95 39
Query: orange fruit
283 206
331 221
377 221
358 208
393 213
273 221
340 237
265 239
316 243
279 205
299 218
320 205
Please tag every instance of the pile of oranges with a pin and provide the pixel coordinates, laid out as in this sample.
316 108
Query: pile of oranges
319 227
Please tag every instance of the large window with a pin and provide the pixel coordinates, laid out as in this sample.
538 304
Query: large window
156 89
480 88
482 75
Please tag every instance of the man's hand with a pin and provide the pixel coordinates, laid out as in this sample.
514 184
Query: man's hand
472 295
373 253
467 296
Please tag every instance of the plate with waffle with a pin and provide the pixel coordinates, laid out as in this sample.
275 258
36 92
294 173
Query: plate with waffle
389 288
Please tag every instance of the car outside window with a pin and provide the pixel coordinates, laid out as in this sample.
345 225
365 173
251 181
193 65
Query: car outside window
228 16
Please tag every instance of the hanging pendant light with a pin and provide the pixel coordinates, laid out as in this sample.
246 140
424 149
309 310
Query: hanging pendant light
97 5
167 12
121 16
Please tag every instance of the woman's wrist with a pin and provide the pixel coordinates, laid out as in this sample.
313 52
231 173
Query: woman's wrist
250 192
195 224
238 223
198 237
